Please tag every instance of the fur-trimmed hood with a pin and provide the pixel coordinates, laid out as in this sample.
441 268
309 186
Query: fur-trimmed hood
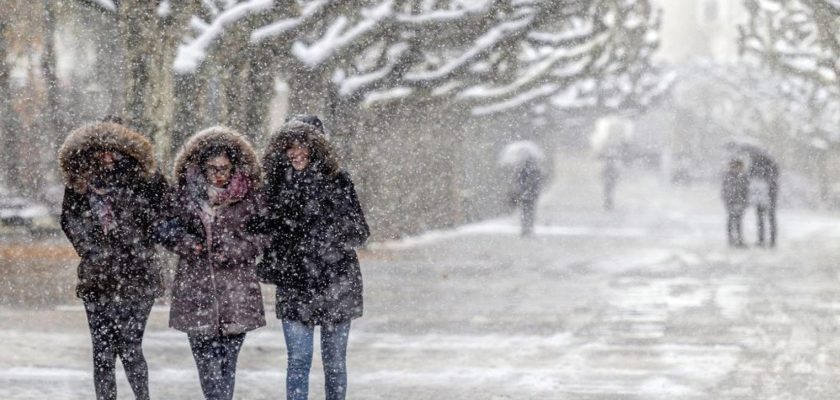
322 156
245 159
74 155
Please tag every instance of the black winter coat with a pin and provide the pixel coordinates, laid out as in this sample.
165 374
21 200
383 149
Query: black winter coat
526 187
314 222
122 261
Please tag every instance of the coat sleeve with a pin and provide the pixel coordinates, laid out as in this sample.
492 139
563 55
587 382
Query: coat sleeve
237 248
73 223
240 245
172 235
169 228
267 217
158 193
350 224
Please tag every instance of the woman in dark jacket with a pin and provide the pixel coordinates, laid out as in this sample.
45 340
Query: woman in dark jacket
112 202
216 296
314 222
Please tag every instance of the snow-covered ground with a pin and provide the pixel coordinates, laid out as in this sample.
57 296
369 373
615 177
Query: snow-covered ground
645 302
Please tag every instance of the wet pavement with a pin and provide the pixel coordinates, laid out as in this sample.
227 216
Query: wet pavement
645 302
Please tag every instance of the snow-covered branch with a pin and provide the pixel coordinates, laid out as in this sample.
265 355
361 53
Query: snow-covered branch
106 4
756 101
275 29
493 54
796 37
192 52
339 36
609 43
482 45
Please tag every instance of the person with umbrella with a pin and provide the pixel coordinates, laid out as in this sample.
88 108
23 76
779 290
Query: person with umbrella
525 157
763 167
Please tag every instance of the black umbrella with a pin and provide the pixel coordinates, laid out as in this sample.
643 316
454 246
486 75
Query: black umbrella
761 163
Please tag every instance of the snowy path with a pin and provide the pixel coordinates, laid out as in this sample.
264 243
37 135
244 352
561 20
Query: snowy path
644 303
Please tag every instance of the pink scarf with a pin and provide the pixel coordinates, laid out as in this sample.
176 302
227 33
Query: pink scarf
100 200
236 190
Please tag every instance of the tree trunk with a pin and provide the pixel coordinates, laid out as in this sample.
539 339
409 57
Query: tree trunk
54 118
9 123
150 42
135 20
260 91
306 91
247 83
187 107
110 63
230 88
342 120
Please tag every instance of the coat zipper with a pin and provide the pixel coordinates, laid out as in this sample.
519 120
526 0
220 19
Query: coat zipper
212 274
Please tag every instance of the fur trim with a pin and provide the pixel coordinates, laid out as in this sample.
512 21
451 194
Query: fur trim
275 160
220 136
79 144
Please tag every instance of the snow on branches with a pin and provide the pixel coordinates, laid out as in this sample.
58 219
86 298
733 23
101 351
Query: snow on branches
795 37
193 51
596 55
492 55
755 101
106 4
797 41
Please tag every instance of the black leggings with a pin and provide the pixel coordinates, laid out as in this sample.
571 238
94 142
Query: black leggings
116 329
528 215
215 356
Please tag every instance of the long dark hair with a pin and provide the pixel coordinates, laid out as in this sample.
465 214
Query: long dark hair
322 157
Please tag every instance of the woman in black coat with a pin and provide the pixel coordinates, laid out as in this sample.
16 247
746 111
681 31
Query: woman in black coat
112 205
314 221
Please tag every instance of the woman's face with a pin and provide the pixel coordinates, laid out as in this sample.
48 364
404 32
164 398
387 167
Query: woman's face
218 170
106 158
105 164
299 156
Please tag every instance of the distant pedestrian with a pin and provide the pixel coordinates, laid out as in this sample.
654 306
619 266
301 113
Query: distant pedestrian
610 175
764 169
216 297
735 194
314 221
525 192
760 199
113 201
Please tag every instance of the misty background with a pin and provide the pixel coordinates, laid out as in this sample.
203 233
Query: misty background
421 96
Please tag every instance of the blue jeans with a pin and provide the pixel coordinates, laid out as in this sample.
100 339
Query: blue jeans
299 343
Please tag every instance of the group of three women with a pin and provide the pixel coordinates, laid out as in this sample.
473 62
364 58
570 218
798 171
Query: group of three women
294 225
